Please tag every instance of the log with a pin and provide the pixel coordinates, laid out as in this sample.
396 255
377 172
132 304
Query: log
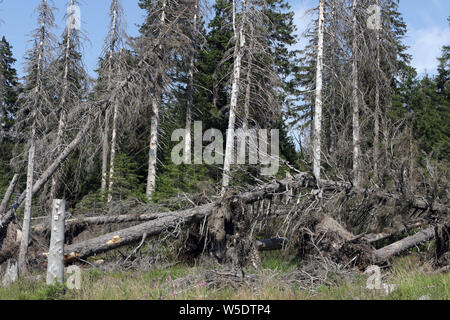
83 222
8 194
130 235
385 253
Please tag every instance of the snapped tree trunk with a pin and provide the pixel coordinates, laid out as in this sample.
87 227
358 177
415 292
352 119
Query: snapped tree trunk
55 266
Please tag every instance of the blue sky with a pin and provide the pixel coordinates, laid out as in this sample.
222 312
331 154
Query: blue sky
428 29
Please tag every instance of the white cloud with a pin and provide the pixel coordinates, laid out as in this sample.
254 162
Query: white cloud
425 47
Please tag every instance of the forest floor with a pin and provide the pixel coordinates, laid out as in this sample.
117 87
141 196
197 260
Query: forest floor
412 275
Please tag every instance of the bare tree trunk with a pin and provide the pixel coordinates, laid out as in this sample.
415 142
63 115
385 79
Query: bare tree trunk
318 105
28 194
105 149
8 194
116 111
190 100
113 153
62 105
153 150
55 266
376 142
385 253
355 89
27 214
238 52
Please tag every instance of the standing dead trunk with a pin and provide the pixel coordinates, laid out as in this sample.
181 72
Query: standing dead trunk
355 99
318 104
238 52
105 149
153 150
8 194
27 214
62 104
190 100
377 113
113 152
156 99
55 266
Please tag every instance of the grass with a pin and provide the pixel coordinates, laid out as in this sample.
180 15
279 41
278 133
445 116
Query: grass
164 283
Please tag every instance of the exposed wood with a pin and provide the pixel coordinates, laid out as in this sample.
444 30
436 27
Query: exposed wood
8 194
55 267
385 253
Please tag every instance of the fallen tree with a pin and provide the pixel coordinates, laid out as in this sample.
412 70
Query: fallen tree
8 194
385 253
133 234
79 224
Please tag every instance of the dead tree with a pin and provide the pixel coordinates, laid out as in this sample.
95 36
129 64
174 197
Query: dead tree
239 47
36 100
318 105
355 100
